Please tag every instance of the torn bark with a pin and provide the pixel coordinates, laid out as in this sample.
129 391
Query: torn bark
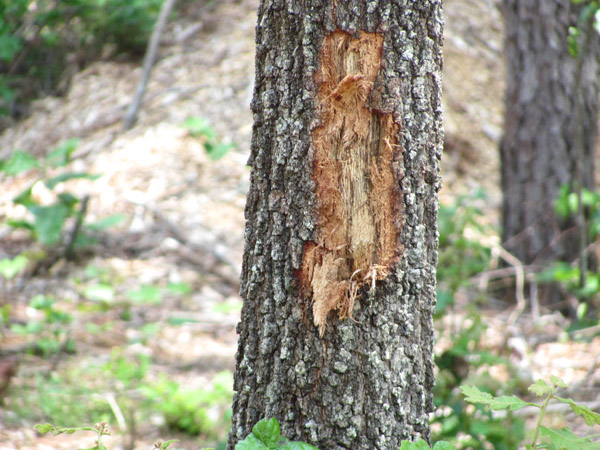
358 196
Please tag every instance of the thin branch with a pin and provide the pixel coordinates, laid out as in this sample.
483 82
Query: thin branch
520 280
76 228
149 59
587 30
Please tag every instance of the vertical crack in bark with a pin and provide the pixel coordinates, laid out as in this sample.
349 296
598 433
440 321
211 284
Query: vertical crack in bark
358 200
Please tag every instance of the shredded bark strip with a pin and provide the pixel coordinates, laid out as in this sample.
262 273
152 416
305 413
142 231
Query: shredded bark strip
357 190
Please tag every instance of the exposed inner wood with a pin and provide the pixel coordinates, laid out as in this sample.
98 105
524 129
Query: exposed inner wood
357 191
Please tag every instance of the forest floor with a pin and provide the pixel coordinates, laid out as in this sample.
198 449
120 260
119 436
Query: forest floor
164 282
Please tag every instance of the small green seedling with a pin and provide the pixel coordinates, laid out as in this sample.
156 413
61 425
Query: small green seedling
49 219
266 435
199 127
101 429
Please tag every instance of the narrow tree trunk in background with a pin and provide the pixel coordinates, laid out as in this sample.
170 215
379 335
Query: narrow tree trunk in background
338 281
539 150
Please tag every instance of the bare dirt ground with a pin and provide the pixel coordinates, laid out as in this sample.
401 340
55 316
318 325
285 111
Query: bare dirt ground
184 212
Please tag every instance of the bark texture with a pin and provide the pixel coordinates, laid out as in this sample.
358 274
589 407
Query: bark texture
345 160
540 150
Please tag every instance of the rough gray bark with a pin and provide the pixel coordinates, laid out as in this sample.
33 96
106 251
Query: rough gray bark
545 138
366 383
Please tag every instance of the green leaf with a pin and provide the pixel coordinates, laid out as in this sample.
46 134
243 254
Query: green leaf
199 126
11 267
100 292
179 288
573 47
443 445
53 182
445 299
151 328
20 224
8 95
587 12
511 403
49 428
49 221
180 320
297 445
32 327
251 443
68 199
561 272
43 428
267 432
589 416
217 151
25 198
145 294
417 445
564 439
581 311
106 222
165 445
20 161
61 155
540 388
9 46
41 302
228 306
558 382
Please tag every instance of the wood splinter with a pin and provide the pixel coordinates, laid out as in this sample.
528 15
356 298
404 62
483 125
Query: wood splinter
358 199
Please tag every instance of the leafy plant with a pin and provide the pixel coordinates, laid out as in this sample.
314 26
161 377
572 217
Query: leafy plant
146 293
194 411
10 267
453 420
266 435
201 128
50 335
567 205
38 40
48 220
422 445
101 429
588 12
51 397
569 276
128 371
460 256
557 439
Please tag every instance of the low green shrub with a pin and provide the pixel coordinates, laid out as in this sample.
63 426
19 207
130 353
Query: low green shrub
46 222
40 39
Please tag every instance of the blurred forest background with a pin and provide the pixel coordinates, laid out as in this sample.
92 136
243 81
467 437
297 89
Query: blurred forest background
120 250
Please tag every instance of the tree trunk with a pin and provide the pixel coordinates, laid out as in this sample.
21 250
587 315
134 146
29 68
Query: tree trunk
547 143
338 278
